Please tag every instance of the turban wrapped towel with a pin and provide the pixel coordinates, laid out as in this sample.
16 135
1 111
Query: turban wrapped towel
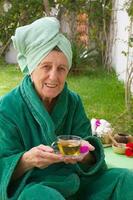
35 41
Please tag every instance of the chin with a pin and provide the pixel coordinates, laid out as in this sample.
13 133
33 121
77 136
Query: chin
50 96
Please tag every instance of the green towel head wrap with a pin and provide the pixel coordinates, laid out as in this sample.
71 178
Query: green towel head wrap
35 41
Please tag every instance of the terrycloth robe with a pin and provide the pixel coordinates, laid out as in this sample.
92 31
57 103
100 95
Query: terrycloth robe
25 123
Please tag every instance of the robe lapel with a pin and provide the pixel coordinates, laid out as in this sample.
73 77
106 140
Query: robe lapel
38 110
60 109
48 122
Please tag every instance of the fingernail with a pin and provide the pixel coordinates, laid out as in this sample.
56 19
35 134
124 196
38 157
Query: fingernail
84 149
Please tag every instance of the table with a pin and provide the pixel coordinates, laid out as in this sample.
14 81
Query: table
116 160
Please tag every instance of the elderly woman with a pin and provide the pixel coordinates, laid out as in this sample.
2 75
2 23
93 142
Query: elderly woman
35 113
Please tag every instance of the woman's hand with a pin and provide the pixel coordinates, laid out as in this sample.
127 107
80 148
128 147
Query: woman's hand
86 143
41 156
83 157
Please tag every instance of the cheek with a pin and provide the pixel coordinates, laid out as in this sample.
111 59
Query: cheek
62 83
63 78
38 83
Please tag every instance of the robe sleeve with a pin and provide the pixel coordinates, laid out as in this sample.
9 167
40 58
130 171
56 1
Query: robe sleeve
82 127
10 153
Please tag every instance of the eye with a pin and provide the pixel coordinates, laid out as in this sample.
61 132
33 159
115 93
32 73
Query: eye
62 68
46 67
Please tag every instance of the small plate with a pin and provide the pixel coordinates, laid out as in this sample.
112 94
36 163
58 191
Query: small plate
80 156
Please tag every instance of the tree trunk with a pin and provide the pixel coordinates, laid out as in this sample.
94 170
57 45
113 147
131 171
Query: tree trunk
46 7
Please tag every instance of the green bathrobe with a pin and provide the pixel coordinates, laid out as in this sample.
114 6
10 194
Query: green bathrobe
25 123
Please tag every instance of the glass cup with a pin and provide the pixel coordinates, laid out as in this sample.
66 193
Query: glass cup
67 145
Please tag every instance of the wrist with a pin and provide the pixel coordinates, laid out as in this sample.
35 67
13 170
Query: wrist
25 162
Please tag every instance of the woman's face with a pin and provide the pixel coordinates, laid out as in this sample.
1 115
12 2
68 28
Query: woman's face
50 75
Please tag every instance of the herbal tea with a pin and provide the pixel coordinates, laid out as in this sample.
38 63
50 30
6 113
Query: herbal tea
69 147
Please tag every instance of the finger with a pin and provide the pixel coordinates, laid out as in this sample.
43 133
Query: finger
91 148
45 148
43 163
71 160
51 156
81 157
86 143
66 161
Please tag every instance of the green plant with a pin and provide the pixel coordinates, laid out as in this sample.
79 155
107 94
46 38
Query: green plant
20 13
129 6
25 11
83 57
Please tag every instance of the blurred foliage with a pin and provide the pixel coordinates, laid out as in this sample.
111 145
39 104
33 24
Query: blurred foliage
25 11
20 13
84 57
99 15
129 5
71 5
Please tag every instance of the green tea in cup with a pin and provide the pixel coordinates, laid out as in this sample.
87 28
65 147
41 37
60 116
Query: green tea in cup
68 145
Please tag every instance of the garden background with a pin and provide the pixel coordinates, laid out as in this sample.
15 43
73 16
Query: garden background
87 24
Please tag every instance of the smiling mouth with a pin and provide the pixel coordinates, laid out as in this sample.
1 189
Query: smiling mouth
50 85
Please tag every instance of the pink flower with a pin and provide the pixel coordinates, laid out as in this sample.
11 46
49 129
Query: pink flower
97 123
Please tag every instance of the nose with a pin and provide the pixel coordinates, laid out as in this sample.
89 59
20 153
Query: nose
53 74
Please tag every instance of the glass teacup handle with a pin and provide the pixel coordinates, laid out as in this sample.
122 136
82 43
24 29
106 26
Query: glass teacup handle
54 145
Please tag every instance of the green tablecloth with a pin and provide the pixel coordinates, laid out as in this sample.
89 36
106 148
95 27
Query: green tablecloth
117 160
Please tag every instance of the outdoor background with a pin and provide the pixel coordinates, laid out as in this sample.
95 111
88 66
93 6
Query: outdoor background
87 25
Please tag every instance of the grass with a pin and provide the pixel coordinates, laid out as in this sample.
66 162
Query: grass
103 97
10 76
102 94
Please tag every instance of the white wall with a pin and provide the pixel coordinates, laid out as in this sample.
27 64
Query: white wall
11 55
120 43
130 57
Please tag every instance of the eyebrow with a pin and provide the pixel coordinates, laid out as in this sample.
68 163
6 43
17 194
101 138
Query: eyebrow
45 63
63 65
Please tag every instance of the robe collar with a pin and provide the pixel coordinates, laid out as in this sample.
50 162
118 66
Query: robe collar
49 123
